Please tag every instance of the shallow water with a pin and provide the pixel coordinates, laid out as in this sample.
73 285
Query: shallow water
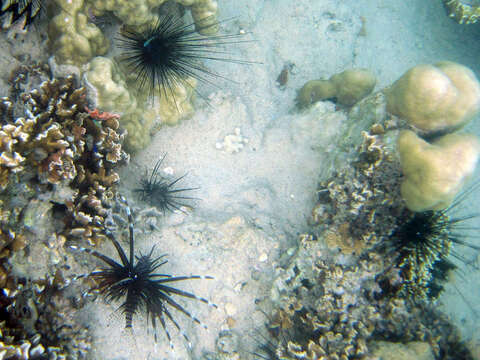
257 199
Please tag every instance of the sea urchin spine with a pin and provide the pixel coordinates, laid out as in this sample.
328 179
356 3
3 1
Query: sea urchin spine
135 280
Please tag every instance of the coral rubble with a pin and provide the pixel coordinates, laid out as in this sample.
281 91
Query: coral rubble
36 322
329 310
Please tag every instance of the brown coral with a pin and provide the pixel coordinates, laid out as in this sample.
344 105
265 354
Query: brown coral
60 142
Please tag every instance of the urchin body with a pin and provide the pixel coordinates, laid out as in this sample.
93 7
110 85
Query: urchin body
169 53
162 193
136 283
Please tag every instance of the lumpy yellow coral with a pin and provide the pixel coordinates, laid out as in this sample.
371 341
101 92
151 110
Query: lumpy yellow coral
347 87
109 91
140 12
435 98
434 173
72 38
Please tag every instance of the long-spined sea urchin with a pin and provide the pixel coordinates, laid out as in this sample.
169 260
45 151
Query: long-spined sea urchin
422 247
135 280
160 192
169 52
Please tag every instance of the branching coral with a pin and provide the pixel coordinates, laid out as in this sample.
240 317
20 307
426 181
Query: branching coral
61 143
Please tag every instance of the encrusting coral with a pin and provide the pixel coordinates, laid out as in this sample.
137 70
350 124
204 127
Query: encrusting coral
347 88
435 98
434 173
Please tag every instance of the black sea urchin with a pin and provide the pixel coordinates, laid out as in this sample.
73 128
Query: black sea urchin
421 247
170 52
142 289
160 192
12 11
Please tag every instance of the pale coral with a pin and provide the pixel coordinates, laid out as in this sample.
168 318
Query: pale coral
73 39
347 87
140 12
435 98
434 173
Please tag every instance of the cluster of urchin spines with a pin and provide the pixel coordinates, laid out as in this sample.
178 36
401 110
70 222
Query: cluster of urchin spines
135 281
19 11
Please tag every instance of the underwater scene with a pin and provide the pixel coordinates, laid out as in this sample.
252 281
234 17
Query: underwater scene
239 179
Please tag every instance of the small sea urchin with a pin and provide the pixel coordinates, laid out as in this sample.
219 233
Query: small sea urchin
421 247
160 192
170 52
135 279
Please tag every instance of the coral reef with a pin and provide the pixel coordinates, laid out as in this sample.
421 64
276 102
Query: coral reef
139 13
346 88
355 280
59 142
464 12
326 309
37 322
434 173
110 91
73 39
437 98
362 200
